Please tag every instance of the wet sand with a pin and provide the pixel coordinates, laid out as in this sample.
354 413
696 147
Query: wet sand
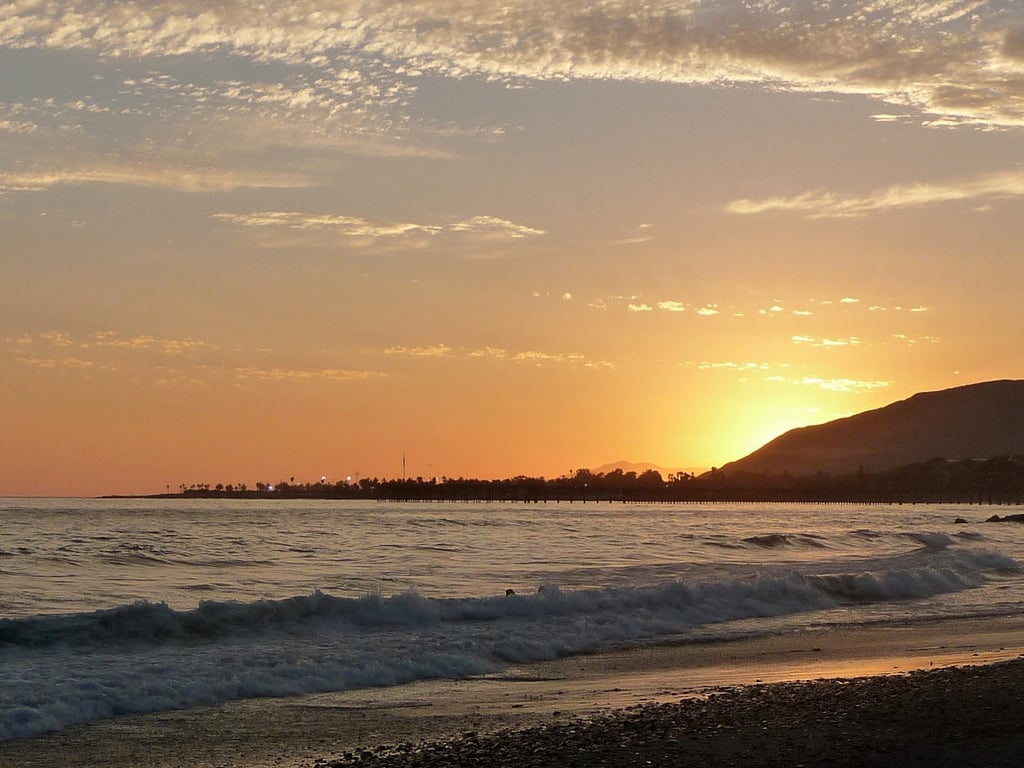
723 704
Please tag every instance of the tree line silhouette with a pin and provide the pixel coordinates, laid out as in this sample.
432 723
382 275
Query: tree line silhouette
998 480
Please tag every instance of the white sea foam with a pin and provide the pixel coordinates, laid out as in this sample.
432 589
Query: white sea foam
98 614
143 657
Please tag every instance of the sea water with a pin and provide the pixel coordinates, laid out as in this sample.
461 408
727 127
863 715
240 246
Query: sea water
110 607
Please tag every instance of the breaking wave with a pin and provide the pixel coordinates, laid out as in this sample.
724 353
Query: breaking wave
145 657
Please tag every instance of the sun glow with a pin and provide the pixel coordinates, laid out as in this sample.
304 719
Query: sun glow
500 249
754 418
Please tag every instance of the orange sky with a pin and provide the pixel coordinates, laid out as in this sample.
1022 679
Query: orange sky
306 238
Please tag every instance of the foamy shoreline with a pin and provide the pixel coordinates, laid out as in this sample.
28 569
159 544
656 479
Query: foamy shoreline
643 698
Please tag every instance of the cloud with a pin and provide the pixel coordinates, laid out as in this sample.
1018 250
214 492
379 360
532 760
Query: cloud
117 341
632 241
437 350
163 361
911 340
241 81
820 205
57 338
50 362
167 346
705 365
537 357
493 352
488 227
533 356
492 227
672 306
835 384
831 384
955 59
50 118
300 375
851 341
346 226
640 308
181 179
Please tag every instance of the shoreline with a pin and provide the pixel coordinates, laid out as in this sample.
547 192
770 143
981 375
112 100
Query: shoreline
564 694
953 716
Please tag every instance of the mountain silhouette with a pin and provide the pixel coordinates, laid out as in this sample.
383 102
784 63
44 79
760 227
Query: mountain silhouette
974 421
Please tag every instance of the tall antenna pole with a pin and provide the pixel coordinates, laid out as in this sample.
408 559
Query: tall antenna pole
403 466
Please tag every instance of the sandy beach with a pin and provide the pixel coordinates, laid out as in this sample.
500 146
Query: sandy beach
937 693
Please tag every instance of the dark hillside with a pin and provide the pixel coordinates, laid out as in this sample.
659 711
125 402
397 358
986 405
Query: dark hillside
973 421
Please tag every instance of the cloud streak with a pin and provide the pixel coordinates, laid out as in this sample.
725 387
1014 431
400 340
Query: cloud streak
303 375
840 384
822 205
845 385
534 357
180 179
851 341
201 361
483 227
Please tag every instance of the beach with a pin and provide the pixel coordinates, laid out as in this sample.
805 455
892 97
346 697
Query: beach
961 716
944 692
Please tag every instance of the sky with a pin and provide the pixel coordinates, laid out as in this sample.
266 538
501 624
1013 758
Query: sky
248 241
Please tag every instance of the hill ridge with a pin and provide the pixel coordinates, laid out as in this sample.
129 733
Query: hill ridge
978 420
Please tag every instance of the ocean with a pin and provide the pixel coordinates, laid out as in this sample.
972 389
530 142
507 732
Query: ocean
110 607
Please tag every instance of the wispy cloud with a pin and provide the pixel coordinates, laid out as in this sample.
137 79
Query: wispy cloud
161 361
346 226
827 343
498 353
115 341
300 374
58 363
493 227
672 306
182 179
958 60
535 357
746 369
834 384
322 79
487 227
911 340
436 350
820 205
168 346
706 365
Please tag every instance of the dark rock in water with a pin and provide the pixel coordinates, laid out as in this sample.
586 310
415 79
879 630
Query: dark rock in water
959 521
1006 519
